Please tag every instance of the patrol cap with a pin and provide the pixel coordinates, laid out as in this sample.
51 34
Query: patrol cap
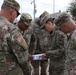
62 18
12 3
43 18
26 18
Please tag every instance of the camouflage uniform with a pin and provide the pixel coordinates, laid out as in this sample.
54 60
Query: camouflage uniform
26 19
13 48
39 44
71 53
54 45
57 53
56 49
31 33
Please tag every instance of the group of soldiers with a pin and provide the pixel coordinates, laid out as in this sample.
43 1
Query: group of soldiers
53 38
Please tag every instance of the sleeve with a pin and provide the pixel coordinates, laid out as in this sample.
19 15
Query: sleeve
19 47
71 48
27 36
58 46
33 43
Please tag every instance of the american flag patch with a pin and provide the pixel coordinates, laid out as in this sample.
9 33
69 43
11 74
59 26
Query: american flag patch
19 38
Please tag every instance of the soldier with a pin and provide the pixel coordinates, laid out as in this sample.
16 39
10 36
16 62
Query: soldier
23 25
41 41
66 24
13 48
57 53
55 48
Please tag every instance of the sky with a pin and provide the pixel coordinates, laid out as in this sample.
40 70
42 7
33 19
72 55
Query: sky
52 6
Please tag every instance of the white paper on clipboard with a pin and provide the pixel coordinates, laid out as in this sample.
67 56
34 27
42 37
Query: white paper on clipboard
38 57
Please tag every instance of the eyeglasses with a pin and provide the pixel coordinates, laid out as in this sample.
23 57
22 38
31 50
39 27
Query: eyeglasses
17 13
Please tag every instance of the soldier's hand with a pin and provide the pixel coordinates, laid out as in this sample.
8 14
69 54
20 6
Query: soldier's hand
30 58
44 55
72 72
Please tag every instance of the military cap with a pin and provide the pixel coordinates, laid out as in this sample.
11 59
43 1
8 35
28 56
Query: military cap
12 3
61 19
26 18
43 18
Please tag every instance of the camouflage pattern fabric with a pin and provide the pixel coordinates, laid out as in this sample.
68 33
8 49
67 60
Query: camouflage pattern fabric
12 4
57 53
43 18
39 44
72 52
29 33
27 70
26 18
61 19
13 49
43 64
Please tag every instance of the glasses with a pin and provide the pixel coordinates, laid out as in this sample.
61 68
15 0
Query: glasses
17 13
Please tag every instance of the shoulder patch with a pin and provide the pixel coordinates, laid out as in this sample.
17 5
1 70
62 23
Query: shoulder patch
19 38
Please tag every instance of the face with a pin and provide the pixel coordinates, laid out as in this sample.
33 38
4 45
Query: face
49 26
13 14
22 26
